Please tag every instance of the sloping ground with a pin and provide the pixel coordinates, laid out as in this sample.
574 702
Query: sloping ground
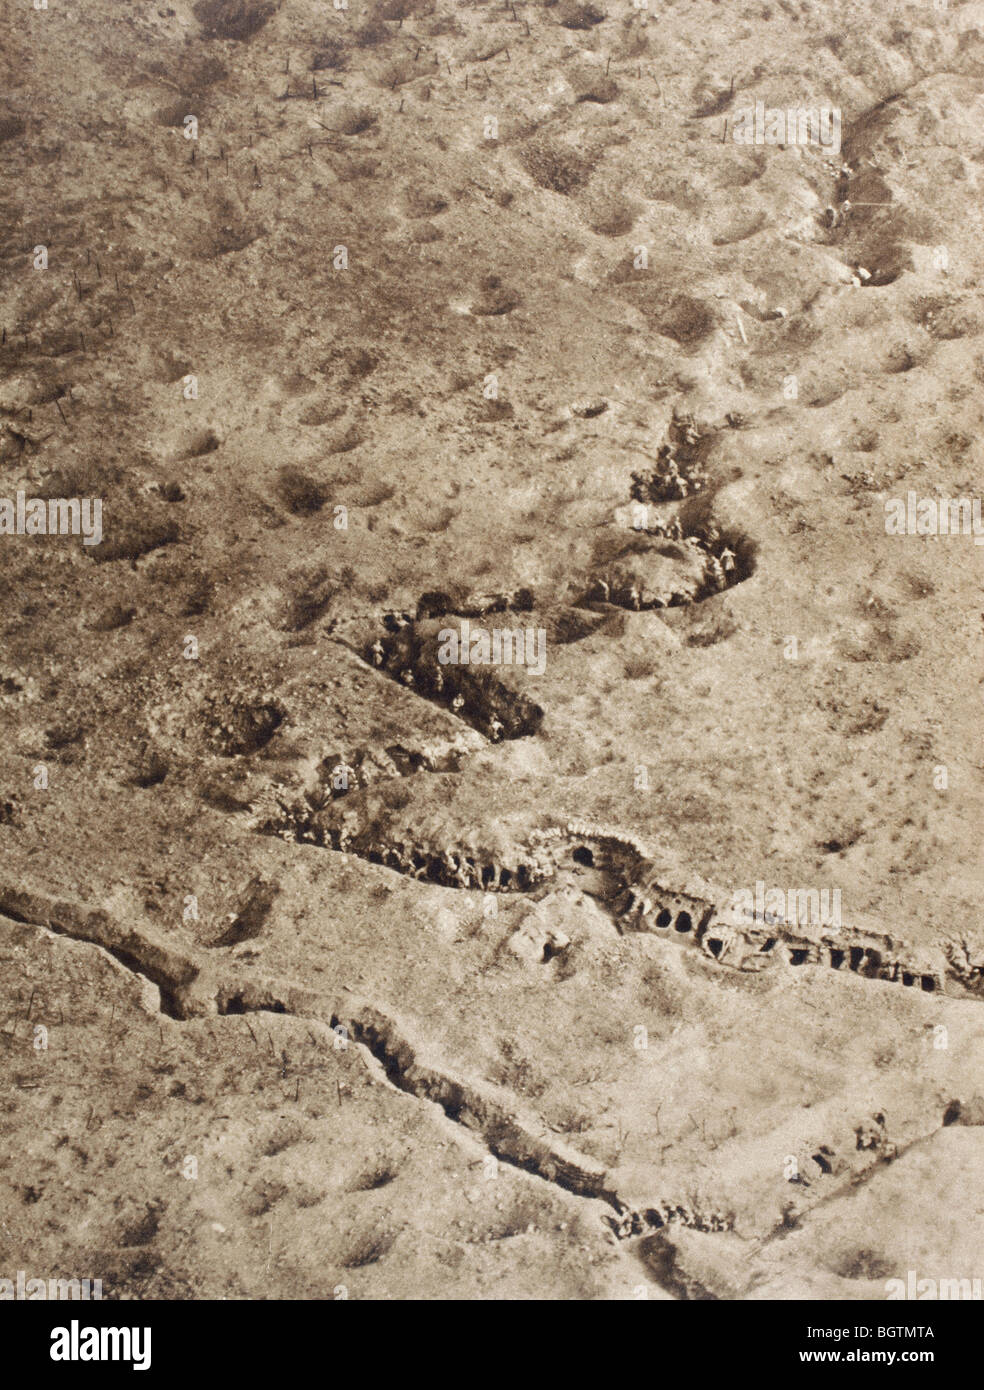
355 347
291 1170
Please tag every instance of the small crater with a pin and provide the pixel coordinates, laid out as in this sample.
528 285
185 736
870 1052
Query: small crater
614 220
555 167
128 539
688 321
491 412
374 494
151 771
355 121
367 1250
233 19
713 103
418 203
247 922
374 1178
285 1135
397 10
205 442
308 596
115 616
596 87
884 264
143 1230
495 299
241 728
262 1196
863 1264
588 410
301 494
173 115
345 441
580 16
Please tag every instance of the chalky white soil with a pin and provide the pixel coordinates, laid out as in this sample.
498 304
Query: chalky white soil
414 314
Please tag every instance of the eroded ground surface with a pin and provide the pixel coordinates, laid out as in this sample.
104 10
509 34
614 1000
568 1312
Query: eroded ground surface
332 971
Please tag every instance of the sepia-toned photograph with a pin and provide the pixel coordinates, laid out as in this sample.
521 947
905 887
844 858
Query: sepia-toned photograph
491 554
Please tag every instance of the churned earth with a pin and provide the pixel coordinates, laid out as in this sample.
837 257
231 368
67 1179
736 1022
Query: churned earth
331 970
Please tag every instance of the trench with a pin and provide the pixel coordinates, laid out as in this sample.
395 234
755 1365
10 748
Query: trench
409 647
506 1138
622 883
139 957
